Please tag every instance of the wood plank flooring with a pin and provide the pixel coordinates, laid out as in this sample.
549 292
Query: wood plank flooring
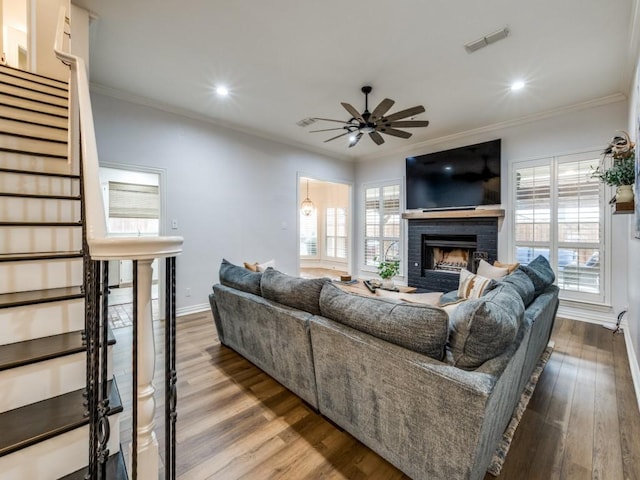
234 421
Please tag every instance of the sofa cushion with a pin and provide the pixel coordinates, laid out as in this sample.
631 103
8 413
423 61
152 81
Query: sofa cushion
418 327
522 284
483 328
540 273
303 294
239 278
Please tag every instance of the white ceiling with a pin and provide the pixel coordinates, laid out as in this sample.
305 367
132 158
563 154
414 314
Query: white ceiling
285 60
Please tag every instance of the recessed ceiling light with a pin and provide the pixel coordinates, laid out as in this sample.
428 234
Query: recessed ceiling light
222 91
517 85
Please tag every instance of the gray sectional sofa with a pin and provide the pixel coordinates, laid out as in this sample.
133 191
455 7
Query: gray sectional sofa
431 394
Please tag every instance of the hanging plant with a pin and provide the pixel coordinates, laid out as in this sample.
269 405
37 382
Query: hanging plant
618 162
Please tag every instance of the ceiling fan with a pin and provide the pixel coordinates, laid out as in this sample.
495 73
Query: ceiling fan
374 123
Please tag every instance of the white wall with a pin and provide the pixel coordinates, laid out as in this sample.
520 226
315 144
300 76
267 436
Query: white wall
234 195
44 15
575 131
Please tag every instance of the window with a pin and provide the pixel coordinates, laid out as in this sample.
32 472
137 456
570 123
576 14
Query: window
382 224
559 213
336 232
309 234
133 209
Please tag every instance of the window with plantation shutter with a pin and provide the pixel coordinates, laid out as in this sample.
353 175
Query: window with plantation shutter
309 234
382 224
336 232
559 213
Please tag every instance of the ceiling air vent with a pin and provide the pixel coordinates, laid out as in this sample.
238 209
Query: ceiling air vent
305 122
487 40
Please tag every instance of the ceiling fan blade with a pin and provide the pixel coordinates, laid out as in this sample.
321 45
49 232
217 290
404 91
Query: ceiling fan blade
409 112
329 120
394 132
376 137
353 112
382 108
327 129
337 136
355 140
409 123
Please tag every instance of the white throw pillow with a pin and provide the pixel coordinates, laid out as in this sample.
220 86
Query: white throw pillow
263 266
471 285
487 270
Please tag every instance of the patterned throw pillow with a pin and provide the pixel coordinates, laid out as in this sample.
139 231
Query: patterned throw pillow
509 266
472 285
251 266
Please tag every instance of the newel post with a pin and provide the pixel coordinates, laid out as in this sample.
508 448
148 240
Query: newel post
144 447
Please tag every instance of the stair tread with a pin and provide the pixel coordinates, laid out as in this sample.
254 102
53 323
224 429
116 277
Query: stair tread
63 94
40 195
31 172
40 224
33 100
34 423
32 137
19 299
32 153
116 469
9 70
15 355
15 257
33 122
5 104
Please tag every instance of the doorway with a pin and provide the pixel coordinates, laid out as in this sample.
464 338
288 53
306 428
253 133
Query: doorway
13 43
324 228
132 203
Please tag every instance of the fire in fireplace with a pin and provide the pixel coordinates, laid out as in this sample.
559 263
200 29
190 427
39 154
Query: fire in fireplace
449 253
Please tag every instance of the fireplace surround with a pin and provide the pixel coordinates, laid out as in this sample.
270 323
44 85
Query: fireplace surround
439 247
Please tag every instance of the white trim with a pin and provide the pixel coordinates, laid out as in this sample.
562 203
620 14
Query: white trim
182 311
633 364
590 315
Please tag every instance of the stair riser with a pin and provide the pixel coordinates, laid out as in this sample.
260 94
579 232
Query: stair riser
21 128
34 163
38 184
33 146
34 117
40 275
32 105
56 457
41 97
16 209
40 239
30 76
39 381
26 83
20 324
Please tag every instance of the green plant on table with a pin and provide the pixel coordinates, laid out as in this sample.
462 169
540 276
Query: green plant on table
388 269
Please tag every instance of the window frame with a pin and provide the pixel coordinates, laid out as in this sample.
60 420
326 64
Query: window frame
335 236
604 297
399 182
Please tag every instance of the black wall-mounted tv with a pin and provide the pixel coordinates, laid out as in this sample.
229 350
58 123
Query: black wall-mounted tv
464 177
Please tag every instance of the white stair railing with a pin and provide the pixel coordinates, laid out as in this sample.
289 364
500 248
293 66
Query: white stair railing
99 249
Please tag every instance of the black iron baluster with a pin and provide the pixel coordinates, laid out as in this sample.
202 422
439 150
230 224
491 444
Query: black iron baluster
103 430
134 362
92 359
170 369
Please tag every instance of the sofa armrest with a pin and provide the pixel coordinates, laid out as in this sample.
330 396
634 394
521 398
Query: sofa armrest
216 317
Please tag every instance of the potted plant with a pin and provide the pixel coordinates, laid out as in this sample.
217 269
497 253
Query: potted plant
387 269
619 171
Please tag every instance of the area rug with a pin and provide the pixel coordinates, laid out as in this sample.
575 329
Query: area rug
503 447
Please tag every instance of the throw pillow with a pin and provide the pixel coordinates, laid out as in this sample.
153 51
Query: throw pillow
239 278
483 328
522 284
485 269
299 293
263 266
421 328
509 266
471 285
251 266
540 273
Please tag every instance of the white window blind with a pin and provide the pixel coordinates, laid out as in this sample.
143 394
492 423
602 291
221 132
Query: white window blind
309 234
336 232
129 200
559 214
382 224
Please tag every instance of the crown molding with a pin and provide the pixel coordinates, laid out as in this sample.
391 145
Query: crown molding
183 112
609 99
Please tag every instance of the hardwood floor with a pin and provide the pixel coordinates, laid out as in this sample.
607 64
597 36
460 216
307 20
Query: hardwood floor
235 422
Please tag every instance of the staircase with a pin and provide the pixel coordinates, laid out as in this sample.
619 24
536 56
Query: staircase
44 431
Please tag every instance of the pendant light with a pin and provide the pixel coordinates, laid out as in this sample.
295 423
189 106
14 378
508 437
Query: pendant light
307 205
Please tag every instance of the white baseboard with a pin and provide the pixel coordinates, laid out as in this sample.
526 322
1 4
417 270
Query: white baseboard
587 315
192 309
633 364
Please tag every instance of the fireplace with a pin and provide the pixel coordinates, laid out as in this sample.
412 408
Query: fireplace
439 247
448 253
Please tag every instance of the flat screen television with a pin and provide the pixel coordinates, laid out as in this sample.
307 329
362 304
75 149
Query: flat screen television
464 177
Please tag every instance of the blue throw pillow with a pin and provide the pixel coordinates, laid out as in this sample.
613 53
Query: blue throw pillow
540 273
522 284
239 278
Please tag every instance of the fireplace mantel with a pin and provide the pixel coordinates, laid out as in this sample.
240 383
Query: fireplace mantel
479 213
